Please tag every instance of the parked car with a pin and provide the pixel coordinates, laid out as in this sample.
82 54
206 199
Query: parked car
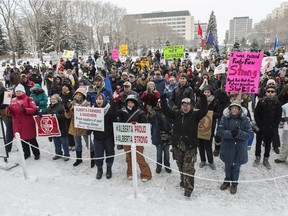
3 64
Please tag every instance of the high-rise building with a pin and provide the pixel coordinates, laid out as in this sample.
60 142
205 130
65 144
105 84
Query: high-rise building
239 27
279 11
179 21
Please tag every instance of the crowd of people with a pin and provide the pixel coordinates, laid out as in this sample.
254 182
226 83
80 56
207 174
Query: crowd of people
171 95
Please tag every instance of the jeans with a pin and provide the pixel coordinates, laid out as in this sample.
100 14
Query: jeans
102 146
163 149
78 142
232 172
61 141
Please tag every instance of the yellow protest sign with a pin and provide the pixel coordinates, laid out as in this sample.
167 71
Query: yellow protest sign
145 62
68 54
171 52
123 49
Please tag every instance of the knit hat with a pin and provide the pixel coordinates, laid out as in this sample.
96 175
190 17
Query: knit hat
20 87
186 100
209 88
36 86
81 91
235 103
271 82
57 96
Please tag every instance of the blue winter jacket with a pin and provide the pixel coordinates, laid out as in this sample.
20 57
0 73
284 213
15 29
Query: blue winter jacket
234 150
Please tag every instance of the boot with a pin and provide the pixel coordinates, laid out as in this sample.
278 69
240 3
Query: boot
266 163
158 168
216 150
257 161
79 156
99 173
233 189
92 155
109 172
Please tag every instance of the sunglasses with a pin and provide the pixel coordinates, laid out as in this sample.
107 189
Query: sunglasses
270 91
157 74
126 86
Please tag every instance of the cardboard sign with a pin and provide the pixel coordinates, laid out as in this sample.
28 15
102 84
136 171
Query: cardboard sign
128 133
220 69
123 49
171 52
114 54
244 72
90 118
145 62
205 126
47 125
7 97
268 64
205 53
68 54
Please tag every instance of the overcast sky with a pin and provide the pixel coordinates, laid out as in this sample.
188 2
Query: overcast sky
224 10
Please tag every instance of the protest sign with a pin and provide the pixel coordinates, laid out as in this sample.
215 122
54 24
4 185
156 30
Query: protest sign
205 126
7 97
171 52
123 49
115 54
145 62
220 69
90 118
47 125
68 54
244 72
205 53
128 133
268 64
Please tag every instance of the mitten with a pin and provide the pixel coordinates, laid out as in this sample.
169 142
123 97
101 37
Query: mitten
235 132
23 108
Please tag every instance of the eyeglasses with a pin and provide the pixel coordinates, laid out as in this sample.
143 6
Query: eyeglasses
126 86
270 91
157 74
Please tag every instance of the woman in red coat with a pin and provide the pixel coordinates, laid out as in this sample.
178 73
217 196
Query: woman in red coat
22 109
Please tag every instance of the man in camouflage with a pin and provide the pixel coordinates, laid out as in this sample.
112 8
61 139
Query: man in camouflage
184 139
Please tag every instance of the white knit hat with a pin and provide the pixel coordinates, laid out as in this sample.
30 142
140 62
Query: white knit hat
20 87
271 82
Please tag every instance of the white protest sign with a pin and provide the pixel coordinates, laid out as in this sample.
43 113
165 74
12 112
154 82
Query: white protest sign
205 53
128 133
268 63
90 118
7 97
220 69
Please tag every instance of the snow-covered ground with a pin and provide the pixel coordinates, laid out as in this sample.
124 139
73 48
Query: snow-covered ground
58 188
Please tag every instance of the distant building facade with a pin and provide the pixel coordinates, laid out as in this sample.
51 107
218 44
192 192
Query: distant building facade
180 22
279 11
239 27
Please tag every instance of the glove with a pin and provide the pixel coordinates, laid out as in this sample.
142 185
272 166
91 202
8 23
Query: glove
23 108
37 103
163 96
235 132
50 139
149 108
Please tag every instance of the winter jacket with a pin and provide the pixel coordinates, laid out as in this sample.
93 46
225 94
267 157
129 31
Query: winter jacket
234 150
40 98
181 92
36 78
160 85
186 125
268 115
23 121
150 98
58 110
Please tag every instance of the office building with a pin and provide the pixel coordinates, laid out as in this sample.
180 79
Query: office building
239 27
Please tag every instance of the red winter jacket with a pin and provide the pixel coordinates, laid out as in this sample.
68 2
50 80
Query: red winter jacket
23 122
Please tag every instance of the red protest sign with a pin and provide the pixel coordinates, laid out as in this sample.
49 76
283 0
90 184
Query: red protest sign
47 125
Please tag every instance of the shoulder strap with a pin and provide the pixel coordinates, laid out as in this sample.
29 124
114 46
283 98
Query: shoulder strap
132 115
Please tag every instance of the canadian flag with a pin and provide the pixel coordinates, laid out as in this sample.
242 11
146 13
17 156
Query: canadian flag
200 32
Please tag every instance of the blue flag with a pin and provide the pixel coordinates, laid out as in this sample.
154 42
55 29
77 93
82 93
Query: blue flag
276 44
107 83
210 40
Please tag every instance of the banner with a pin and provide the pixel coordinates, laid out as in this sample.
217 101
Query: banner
7 97
123 49
171 52
68 54
47 125
244 72
128 133
205 53
114 54
205 126
145 62
90 118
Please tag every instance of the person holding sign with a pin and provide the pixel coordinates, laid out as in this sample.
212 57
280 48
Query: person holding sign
132 113
103 140
235 130
184 139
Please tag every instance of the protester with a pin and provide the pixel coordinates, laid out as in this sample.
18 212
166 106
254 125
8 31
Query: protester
40 98
235 130
22 108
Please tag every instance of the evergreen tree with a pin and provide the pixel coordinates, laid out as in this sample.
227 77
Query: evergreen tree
20 48
212 28
236 46
254 46
3 43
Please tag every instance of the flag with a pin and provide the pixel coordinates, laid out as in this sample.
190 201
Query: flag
47 125
107 83
200 33
210 40
276 44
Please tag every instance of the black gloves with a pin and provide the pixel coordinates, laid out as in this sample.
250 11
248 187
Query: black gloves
23 108
235 132
50 139
37 103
